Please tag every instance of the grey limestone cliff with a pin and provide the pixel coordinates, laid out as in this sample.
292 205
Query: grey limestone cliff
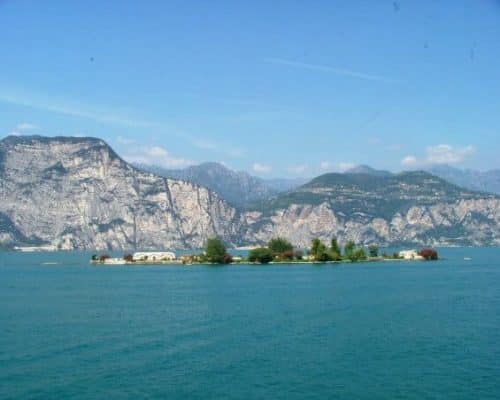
77 193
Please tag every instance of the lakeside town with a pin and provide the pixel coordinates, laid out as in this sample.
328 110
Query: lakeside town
277 251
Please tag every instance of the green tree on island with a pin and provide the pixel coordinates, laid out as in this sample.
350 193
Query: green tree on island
373 250
215 250
261 255
279 246
358 254
319 251
353 253
335 251
349 249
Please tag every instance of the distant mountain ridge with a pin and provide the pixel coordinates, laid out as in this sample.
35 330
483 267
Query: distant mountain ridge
365 169
236 187
487 181
77 193
409 207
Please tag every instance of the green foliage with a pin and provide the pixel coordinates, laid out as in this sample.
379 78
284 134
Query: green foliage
261 255
323 255
373 250
349 249
315 245
335 256
279 246
319 250
359 254
353 253
215 250
334 246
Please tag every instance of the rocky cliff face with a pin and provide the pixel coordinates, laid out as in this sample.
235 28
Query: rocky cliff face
462 223
77 193
410 208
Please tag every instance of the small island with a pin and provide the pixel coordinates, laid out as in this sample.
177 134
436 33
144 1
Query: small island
277 251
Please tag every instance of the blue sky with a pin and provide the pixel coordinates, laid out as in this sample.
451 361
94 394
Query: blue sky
281 88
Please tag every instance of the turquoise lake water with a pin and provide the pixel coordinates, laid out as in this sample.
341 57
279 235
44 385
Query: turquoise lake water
394 330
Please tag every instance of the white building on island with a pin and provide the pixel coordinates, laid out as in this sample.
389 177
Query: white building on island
154 256
410 255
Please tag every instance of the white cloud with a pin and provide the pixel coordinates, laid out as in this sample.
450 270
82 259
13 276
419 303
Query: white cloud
125 141
235 152
446 154
298 169
203 144
261 168
325 165
156 155
395 147
344 166
26 126
440 154
409 161
374 140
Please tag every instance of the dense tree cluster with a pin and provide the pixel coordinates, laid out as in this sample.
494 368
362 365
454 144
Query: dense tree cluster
281 250
215 252
320 252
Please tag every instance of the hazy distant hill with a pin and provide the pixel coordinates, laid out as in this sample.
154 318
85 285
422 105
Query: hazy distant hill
488 181
237 187
365 169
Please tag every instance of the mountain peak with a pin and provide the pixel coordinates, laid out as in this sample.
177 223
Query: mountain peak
365 169
30 139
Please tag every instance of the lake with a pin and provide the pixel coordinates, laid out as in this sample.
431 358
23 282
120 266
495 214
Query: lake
385 330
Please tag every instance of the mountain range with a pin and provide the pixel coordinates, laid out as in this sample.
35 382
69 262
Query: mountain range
236 187
77 193
487 181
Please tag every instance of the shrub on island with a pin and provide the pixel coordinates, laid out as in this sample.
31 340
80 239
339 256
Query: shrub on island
428 254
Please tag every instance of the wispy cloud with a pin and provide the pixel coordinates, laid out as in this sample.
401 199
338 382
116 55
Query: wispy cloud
298 169
236 152
203 144
261 168
326 68
344 166
325 165
55 104
26 126
124 140
40 102
409 161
